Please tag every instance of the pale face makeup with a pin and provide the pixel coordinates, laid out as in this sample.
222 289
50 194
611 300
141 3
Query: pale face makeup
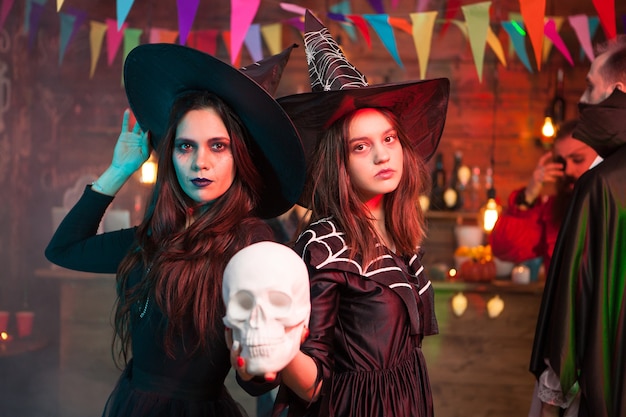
375 161
597 88
202 156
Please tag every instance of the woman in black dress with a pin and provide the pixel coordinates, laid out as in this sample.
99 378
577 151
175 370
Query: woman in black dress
227 156
371 302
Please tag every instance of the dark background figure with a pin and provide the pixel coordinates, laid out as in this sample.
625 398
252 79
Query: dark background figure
579 351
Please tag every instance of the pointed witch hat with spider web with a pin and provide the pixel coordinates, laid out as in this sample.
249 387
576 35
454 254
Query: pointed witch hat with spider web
338 88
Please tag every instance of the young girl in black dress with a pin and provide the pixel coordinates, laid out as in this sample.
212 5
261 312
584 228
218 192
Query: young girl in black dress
227 155
371 302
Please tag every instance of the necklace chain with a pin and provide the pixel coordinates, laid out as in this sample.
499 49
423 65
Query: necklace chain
145 306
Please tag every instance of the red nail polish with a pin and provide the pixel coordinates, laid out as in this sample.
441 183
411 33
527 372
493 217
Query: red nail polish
239 361
269 378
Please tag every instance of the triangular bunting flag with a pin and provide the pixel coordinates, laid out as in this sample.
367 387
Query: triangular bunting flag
606 13
242 13
65 33
187 10
114 39
380 24
552 33
253 42
359 22
377 5
423 25
159 35
496 46
477 18
273 37
452 7
547 42
204 40
97 31
343 8
401 24
59 5
4 11
122 8
581 27
534 12
519 43
236 61
34 10
131 40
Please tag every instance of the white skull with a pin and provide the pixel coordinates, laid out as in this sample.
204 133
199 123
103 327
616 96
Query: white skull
266 293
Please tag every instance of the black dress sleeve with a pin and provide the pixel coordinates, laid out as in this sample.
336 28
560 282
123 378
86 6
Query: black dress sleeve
76 244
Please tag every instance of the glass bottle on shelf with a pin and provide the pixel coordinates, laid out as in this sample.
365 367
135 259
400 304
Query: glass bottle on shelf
558 102
439 185
454 196
474 200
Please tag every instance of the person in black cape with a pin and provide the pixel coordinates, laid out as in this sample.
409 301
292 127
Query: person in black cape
579 350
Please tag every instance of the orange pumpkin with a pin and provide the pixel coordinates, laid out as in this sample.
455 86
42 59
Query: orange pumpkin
478 270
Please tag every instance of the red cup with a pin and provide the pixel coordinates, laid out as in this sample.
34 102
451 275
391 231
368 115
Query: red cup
24 323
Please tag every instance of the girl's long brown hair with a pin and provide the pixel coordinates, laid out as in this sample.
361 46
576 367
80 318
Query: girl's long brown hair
182 267
334 195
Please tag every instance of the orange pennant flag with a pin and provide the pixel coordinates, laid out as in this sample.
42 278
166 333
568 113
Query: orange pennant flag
533 12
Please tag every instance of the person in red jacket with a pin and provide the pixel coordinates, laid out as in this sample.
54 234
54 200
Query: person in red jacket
529 226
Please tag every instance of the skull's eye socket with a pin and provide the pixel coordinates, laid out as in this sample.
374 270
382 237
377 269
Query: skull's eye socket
279 299
244 300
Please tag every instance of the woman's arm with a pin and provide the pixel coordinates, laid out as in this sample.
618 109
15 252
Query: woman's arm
75 244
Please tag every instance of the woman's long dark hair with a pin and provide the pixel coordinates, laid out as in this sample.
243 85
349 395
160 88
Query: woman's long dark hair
181 266
335 196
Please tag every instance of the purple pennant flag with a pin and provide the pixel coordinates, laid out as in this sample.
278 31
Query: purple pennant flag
296 22
36 10
253 42
624 22
377 5
339 17
80 16
186 15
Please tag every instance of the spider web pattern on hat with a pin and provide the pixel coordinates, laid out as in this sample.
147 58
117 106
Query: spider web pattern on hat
328 68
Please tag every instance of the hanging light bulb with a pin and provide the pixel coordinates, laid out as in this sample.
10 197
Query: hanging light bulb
148 171
548 130
490 212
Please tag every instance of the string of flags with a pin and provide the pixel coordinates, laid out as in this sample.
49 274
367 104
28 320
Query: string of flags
531 23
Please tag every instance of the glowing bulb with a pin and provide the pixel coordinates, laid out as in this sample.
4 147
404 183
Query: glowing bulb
548 129
495 306
148 172
459 304
491 215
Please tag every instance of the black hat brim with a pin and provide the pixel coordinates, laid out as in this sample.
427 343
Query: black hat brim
156 74
421 108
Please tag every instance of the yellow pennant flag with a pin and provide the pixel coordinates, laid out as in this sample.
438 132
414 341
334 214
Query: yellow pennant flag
477 18
423 24
97 31
273 36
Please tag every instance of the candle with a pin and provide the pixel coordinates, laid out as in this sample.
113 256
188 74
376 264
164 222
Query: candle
520 274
